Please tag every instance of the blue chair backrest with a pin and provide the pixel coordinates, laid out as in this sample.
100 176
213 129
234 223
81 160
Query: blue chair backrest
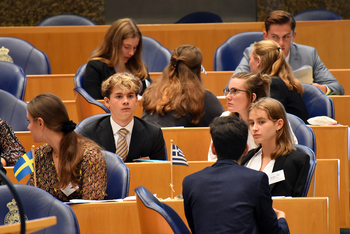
302 132
25 55
118 176
14 111
65 20
39 204
151 202
88 120
317 15
200 17
13 79
312 167
79 76
79 88
155 56
316 102
228 55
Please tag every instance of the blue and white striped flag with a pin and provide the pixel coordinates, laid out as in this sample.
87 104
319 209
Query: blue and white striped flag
177 157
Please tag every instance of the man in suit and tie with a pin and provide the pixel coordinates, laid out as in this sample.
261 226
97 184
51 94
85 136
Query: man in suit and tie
128 136
280 27
227 197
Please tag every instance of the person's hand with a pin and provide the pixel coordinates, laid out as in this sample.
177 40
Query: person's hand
322 87
279 213
3 161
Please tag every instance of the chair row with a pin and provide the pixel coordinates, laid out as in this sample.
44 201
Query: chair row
327 179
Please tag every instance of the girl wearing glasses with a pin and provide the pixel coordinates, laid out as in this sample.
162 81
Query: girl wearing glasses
275 155
178 97
267 58
244 88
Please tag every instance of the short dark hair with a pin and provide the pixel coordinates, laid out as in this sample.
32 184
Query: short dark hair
279 17
229 135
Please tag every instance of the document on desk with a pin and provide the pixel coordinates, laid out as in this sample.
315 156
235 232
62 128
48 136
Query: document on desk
304 74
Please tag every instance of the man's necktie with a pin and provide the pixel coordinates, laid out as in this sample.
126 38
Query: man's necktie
122 145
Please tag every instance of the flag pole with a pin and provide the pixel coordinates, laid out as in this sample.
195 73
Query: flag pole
32 149
171 170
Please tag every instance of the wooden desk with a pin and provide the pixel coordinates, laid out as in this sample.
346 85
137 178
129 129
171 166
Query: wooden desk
69 47
332 143
194 142
341 108
343 77
304 215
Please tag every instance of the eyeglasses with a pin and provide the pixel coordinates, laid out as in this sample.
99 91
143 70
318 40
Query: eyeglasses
233 91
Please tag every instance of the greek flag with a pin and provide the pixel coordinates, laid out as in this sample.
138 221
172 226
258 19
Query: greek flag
24 166
177 157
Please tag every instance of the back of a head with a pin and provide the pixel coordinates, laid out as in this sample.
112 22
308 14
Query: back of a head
185 62
271 57
279 17
229 135
50 108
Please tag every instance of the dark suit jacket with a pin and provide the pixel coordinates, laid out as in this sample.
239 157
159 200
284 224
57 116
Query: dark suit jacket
146 139
95 73
295 166
230 198
290 99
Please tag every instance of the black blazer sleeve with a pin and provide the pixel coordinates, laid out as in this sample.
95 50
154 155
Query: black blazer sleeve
95 73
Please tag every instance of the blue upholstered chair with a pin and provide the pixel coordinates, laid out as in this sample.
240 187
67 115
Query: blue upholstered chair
13 79
200 17
317 15
88 120
157 217
66 20
39 204
156 56
86 105
14 111
118 176
228 55
302 132
316 102
312 167
25 55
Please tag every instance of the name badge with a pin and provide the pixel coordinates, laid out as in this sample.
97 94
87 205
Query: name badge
276 176
70 189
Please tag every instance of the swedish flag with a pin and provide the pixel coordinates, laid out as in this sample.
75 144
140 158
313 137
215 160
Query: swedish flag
24 166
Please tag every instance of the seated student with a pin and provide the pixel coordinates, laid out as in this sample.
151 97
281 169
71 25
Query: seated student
245 88
226 197
267 58
143 140
275 153
178 97
11 148
69 166
120 51
280 27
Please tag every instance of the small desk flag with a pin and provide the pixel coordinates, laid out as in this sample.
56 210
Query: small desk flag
178 158
24 166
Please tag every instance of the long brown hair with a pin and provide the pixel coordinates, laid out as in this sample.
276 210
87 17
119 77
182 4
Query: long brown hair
273 63
54 113
180 87
110 50
275 111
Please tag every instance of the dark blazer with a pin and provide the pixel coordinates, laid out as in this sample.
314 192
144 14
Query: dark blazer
290 99
146 139
95 73
229 198
295 166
